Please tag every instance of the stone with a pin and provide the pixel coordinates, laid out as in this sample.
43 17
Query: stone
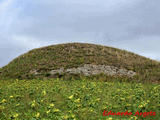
34 72
89 69
59 71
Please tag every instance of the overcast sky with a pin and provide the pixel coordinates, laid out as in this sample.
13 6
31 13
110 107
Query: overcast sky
133 25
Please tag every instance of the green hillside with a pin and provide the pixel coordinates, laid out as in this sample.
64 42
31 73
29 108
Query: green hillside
77 54
27 95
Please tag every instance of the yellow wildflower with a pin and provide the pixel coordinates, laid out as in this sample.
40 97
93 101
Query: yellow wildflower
91 110
3 101
140 106
70 111
79 105
122 99
110 118
56 110
98 99
37 115
134 117
72 115
11 96
48 111
33 103
15 115
51 105
70 97
17 104
128 105
44 92
77 100
148 101
66 117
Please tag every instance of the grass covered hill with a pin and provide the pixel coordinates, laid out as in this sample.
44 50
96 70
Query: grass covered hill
72 55
72 97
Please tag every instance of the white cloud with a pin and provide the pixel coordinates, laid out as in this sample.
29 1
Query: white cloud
28 42
92 6
4 5
8 14
133 25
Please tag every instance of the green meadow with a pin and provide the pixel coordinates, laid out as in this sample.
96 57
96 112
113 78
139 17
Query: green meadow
76 99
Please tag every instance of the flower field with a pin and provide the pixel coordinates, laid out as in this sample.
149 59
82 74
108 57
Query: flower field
81 99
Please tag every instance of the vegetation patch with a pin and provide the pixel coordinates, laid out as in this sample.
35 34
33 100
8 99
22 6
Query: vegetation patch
80 99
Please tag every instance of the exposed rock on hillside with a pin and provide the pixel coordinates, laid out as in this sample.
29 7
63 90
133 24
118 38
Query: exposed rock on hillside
89 69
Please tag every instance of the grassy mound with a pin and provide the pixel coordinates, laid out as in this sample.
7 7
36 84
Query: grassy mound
77 54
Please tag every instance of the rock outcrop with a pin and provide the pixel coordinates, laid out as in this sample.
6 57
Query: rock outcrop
89 69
